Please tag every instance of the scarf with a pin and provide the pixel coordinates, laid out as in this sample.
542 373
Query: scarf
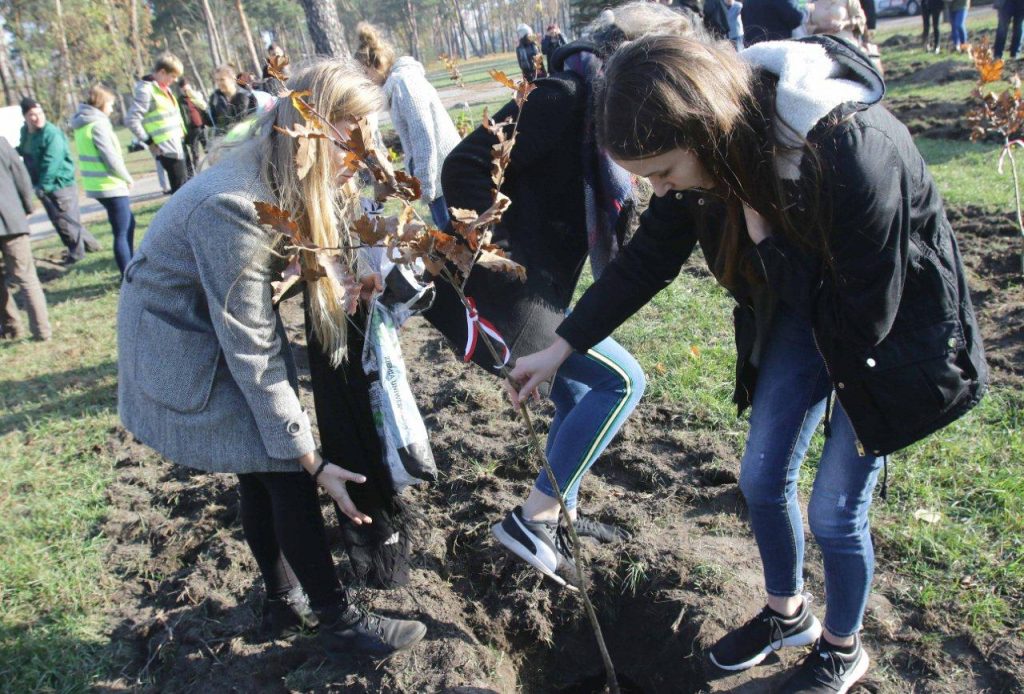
606 185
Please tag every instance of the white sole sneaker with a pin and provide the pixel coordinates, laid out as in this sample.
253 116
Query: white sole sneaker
806 637
858 671
525 553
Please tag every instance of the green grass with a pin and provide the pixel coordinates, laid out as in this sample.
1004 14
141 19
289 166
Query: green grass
475 70
966 173
57 408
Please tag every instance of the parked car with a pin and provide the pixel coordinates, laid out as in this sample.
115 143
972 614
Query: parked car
906 7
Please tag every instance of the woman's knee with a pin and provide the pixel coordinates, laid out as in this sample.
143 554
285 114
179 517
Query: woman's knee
757 483
833 516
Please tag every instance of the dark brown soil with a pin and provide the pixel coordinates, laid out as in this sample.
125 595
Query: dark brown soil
187 596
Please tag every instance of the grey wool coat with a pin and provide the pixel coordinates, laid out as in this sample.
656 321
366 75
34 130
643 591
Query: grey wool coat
205 373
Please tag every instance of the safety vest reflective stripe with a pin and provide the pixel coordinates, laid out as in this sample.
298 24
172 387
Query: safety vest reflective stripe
163 122
95 176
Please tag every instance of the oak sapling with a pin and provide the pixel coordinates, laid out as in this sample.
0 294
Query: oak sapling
407 238
1000 115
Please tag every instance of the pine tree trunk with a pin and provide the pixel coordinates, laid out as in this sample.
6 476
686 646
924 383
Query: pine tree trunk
7 72
325 28
248 38
414 30
133 8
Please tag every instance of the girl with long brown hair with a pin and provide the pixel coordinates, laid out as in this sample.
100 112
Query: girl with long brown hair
815 210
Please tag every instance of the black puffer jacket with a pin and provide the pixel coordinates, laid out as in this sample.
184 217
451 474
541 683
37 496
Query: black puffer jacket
893 321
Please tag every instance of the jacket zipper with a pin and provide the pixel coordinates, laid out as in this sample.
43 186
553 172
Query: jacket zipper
831 382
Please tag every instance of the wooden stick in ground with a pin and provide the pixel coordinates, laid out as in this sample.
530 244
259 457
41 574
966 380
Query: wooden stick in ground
1016 196
535 443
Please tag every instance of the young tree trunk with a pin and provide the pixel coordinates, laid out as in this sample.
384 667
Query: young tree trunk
65 61
248 37
133 9
211 33
462 27
7 72
188 56
414 30
325 28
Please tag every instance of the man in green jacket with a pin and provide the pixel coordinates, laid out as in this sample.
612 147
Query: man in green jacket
47 156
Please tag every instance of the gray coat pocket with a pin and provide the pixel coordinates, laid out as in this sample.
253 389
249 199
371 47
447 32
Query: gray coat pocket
175 365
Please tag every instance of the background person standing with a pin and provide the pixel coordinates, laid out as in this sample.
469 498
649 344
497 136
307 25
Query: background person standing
47 156
16 249
155 119
104 174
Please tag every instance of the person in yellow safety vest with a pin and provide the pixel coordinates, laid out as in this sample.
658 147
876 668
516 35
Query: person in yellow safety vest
154 118
104 174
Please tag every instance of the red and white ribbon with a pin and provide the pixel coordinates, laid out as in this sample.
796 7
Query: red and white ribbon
474 324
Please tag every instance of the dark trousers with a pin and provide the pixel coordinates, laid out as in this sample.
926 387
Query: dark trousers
1012 10
177 172
122 223
62 208
281 520
193 140
931 17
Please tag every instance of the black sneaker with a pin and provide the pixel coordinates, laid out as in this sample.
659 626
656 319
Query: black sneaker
605 533
287 617
827 670
357 632
542 545
769 631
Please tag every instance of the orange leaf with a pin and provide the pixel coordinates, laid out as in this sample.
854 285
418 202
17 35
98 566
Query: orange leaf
276 65
411 184
500 77
305 110
277 219
493 258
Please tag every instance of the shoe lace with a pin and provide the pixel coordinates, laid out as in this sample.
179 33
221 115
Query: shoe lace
563 543
827 665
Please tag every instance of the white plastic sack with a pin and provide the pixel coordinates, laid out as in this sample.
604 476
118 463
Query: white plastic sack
403 436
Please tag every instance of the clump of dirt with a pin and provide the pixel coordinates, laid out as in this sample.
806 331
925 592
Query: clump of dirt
936 119
186 602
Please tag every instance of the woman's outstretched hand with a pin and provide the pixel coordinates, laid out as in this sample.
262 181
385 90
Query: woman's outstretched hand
333 478
533 369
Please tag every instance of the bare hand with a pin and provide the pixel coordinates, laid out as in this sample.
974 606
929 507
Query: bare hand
333 480
757 226
369 286
533 369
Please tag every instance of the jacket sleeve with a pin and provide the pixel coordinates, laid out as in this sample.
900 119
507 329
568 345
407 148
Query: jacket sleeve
19 174
646 265
109 151
141 100
418 136
234 268
547 115
788 13
856 300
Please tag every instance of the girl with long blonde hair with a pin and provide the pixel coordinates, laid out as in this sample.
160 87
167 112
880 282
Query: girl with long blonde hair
206 376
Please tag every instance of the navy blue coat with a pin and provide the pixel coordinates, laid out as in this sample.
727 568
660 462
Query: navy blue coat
769 20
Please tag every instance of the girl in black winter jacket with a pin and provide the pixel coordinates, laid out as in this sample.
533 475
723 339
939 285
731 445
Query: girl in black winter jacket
815 210
569 203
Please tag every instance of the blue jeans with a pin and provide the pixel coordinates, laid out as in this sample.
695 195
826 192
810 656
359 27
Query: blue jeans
593 394
958 24
789 402
439 211
1012 10
122 222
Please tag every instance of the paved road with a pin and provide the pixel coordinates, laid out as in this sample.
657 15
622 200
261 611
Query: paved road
146 188
914 22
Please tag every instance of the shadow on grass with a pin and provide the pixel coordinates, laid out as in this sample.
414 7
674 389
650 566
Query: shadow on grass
41 398
40 657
